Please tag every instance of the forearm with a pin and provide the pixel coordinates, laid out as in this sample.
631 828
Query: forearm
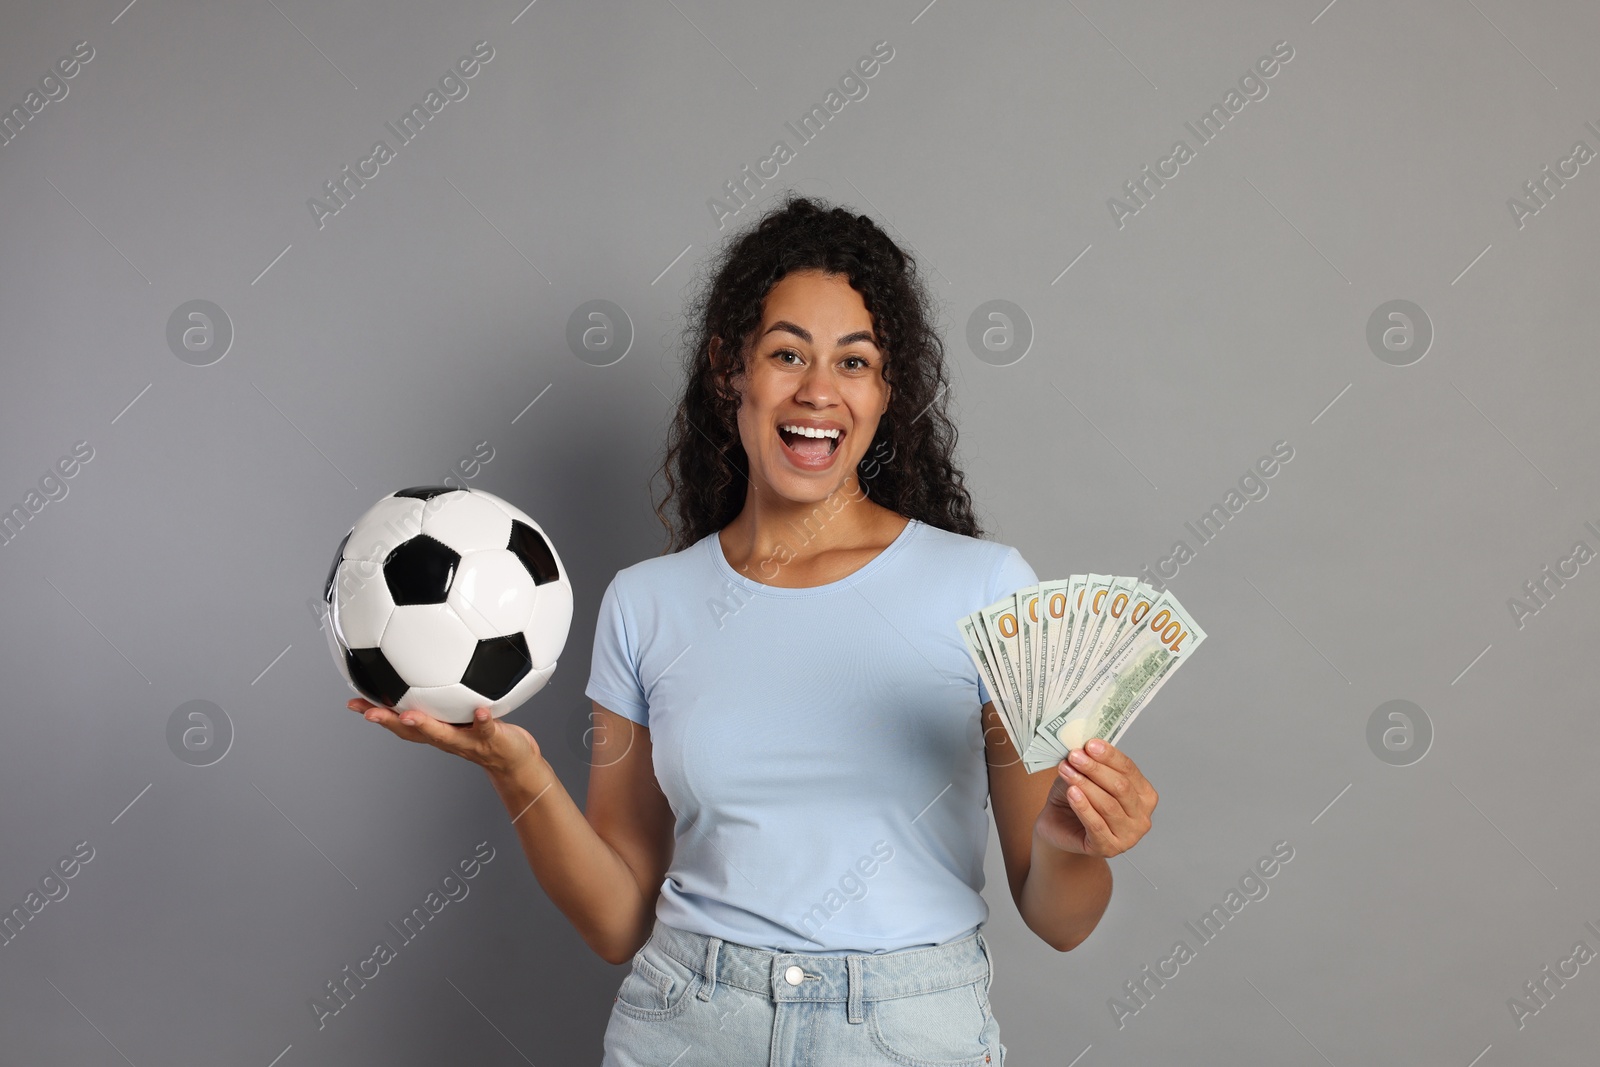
583 875
1064 894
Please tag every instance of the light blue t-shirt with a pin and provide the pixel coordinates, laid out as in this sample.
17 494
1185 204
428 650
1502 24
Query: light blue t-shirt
821 748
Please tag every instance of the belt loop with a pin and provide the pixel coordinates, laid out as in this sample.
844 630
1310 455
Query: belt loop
988 960
852 966
710 985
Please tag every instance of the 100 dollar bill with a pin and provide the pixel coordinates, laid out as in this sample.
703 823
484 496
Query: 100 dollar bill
1075 658
1106 703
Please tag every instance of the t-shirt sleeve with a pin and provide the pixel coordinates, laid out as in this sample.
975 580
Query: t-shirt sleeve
614 668
1011 574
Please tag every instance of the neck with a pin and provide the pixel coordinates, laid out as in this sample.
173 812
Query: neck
770 526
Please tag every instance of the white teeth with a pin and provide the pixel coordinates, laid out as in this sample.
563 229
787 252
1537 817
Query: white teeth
806 431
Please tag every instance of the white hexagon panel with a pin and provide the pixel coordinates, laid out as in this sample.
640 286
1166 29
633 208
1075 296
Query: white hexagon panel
466 521
547 628
427 644
493 592
363 606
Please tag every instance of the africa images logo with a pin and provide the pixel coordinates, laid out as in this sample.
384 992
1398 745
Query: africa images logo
1252 86
852 86
452 86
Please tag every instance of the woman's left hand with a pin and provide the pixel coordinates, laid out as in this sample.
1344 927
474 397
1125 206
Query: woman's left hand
1099 804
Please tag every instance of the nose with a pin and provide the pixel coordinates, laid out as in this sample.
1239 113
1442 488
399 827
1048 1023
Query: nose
817 387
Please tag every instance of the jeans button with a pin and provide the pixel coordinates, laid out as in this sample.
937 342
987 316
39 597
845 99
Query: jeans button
793 975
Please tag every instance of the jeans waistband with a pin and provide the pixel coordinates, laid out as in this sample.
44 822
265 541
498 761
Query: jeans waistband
853 978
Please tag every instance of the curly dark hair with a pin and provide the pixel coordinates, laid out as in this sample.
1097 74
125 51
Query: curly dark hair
909 467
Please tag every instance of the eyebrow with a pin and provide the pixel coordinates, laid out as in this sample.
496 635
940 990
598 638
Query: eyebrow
805 335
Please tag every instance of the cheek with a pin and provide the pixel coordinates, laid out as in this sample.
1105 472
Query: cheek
758 398
749 436
869 407
749 407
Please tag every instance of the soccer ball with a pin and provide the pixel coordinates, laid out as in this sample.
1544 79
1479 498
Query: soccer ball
445 600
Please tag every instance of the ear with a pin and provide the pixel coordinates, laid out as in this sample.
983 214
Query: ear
723 357
717 359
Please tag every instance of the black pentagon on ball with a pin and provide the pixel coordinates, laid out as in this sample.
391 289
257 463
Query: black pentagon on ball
497 665
425 492
374 677
534 552
420 571
338 554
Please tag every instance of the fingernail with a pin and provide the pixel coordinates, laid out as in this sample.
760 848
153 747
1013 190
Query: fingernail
1097 746
1077 756
408 720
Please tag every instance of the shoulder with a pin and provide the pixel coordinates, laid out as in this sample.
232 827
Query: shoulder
953 574
666 573
965 554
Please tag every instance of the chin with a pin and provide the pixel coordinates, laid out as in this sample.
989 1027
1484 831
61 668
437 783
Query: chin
808 488
806 492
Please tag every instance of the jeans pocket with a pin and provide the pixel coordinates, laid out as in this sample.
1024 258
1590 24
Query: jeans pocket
657 986
946 1028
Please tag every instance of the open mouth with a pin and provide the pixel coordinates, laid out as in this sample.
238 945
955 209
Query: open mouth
810 444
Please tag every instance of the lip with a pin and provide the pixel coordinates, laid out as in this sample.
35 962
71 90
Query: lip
807 463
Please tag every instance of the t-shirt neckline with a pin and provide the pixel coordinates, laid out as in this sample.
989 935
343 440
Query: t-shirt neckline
712 546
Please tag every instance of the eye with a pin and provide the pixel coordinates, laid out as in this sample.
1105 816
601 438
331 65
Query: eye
780 353
861 363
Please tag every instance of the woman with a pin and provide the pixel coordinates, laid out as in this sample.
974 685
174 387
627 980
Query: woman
785 829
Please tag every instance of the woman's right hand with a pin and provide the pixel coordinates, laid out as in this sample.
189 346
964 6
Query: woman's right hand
498 747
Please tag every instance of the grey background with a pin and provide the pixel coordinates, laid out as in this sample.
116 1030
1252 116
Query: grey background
374 353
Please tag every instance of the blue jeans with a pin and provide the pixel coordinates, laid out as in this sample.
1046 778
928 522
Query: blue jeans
696 1001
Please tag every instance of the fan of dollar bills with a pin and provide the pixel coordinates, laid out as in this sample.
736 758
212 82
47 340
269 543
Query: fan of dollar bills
1076 658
